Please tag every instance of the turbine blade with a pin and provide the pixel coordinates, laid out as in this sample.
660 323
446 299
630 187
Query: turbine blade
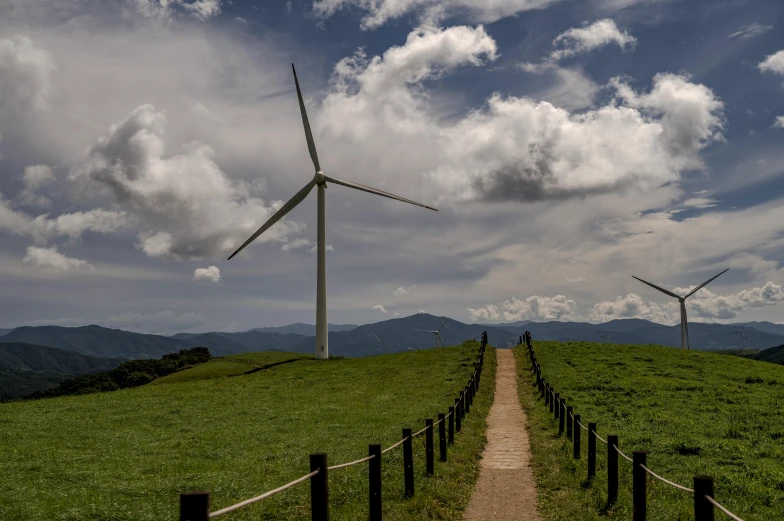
670 293
306 124
286 208
370 190
695 290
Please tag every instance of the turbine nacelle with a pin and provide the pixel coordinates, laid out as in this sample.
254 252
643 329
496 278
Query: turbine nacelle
320 178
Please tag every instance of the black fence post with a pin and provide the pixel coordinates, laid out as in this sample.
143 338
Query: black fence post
430 457
569 422
408 463
557 411
462 405
612 469
442 436
546 393
703 509
639 482
195 506
467 398
576 436
374 469
451 425
319 488
561 415
458 421
591 450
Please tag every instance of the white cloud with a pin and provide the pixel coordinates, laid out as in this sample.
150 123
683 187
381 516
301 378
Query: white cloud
186 204
773 63
700 202
204 9
779 123
296 243
578 40
241 20
328 247
52 260
25 76
379 307
751 30
532 308
34 178
164 9
402 290
381 11
210 274
633 306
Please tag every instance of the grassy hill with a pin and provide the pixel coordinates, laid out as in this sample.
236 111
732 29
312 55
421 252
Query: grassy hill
693 412
772 354
128 454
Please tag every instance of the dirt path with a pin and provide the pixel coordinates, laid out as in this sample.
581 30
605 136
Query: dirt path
505 489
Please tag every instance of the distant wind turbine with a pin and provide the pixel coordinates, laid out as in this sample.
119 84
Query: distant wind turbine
682 300
742 334
437 331
319 180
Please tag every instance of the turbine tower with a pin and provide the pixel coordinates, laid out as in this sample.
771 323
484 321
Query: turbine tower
320 181
742 335
682 301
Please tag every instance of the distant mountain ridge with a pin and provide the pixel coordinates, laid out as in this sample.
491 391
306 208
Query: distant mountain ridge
300 328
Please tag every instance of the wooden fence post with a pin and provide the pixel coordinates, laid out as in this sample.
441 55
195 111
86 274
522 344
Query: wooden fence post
451 425
467 398
546 393
442 436
561 415
374 470
612 469
408 464
703 509
429 456
639 482
576 436
557 411
319 488
458 420
569 423
591 450
195 506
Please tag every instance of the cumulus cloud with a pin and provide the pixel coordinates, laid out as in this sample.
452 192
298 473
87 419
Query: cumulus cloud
210 274
633 306
328 247
532 308
750 31
773 63
203 9
50 259
578 40
381 11
25 75
779 123
34 178
403 290
187 206
165 9
72 225
379 307
296 243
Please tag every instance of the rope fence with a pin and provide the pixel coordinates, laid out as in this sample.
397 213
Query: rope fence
704 501
195 506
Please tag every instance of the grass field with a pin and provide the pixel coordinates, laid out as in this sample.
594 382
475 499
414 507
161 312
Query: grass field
694 413
127 455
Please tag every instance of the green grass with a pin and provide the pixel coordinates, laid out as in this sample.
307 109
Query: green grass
692 412
127 455
231 366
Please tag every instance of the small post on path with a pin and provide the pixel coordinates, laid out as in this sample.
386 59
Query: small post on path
451 425
442 436
374 469
703 509
319 488
408 464
569 423
429 446
591 450
576 436
612 469
639 482
195 506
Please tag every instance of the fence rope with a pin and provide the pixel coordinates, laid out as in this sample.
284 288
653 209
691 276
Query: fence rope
681 487
420 432
394 446
263 496
583 426
368 458
622 454
717 505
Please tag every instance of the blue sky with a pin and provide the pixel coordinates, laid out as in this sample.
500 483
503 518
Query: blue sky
568 145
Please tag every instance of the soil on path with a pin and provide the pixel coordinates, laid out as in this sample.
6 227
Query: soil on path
505 489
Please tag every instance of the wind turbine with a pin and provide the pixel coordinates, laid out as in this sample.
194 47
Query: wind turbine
742 335
320 181
682 300
437 331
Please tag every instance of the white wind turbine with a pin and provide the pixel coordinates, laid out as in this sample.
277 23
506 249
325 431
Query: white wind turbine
437 331
742 335
682 301
320 181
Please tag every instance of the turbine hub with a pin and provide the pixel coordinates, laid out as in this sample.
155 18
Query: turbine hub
320 178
